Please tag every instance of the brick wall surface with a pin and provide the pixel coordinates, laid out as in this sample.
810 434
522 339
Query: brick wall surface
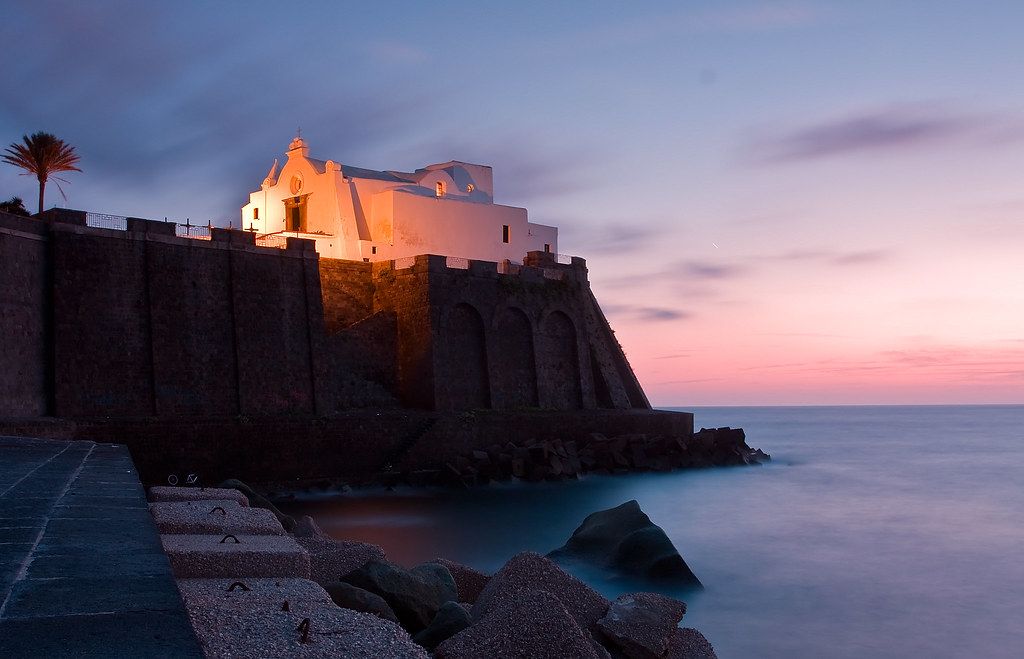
543 342
101 323
141 323
353 446
23 307
193 329
347 292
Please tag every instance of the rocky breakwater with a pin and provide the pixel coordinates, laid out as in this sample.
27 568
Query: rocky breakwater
254 598
554 459
247 588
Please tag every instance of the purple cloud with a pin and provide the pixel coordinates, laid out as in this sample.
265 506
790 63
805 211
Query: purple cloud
705 270
882 130
831 257
860 258
651 314
615 238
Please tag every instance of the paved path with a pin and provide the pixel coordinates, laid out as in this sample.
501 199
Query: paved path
82 570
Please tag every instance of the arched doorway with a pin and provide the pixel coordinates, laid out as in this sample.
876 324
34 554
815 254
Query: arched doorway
558 363
461 380
513 360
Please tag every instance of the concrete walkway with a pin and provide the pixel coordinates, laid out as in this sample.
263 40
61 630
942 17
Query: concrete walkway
82 570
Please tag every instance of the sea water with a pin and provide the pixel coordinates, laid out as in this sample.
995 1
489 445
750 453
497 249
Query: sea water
873 532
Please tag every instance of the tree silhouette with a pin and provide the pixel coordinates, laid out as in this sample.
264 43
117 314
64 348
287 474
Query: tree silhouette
43 154
14 206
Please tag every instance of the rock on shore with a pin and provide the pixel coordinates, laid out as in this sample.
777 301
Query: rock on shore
625 539
554 459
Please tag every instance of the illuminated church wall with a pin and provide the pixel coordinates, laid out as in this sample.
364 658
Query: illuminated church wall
139 322
367 215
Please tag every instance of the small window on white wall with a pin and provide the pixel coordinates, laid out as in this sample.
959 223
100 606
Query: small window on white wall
504 233
440 188
255 213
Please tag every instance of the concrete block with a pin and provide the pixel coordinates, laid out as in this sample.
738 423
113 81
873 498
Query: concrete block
220 556
218 593
213 517
165 493
254 623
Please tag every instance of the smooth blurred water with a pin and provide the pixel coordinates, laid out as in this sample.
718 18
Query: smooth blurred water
874 531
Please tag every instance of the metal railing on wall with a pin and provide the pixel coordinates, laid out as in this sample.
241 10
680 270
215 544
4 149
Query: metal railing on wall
272 240
104 221
189 231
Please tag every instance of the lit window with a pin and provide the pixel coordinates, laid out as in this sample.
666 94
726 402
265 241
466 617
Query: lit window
470 188
504 233
440 188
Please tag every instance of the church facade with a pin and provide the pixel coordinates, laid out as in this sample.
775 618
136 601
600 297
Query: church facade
366 215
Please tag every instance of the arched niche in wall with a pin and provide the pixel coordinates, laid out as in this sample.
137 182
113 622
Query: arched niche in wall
558 363
514 365
461 375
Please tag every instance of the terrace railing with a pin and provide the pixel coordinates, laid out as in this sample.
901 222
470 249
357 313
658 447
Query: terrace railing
272 240
103 221
190 231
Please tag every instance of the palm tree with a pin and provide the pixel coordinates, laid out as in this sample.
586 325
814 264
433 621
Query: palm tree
43 154
14 206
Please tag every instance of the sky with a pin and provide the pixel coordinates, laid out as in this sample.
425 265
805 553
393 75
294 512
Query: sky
780 202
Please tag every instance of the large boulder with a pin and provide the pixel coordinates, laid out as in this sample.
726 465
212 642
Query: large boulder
451 619
625 540
689 643
348 596
529 624
414 595
529 571
641 625
469 581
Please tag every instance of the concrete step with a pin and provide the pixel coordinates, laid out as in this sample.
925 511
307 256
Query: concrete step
213 517
235 556
165 493
253 621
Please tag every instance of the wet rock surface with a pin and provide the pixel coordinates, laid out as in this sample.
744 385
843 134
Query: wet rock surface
414 595
641 625
348 596
468 581
624 539
451 619
527 623
689 643
529 571
555 459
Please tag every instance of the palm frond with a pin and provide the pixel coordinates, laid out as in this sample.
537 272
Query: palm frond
42 155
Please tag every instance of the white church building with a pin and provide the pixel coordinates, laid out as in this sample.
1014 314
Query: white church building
366 215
